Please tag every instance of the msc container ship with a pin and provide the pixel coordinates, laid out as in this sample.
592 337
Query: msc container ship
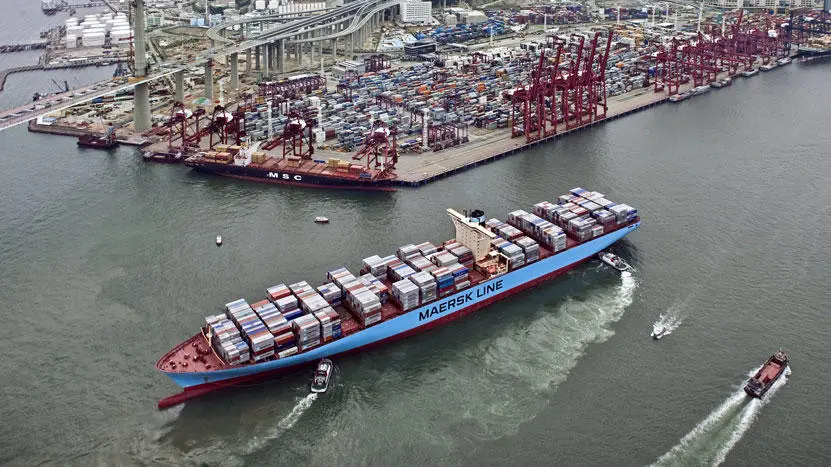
420 287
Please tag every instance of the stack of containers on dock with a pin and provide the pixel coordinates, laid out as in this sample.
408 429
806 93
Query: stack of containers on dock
426 284
330 327
331 293
461 279
306 330
445 284
364 305
530 248
406 293
375 286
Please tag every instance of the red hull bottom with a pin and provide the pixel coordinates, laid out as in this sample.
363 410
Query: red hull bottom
308 185
196 391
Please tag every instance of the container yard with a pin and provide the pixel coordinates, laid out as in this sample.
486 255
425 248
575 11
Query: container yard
475 87
420 286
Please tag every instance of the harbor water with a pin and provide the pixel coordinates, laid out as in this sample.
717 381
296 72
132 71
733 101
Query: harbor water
107 262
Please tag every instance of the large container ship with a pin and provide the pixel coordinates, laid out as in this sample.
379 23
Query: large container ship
296 166
420 287
292 170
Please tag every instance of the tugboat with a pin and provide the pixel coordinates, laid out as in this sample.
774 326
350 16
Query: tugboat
321 220
768 67
163 157
759 384
613 261
105 141
320 383
679 97
751 72
658 332
784 61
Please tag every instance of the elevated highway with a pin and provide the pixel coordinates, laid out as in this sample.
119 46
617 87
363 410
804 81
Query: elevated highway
291 37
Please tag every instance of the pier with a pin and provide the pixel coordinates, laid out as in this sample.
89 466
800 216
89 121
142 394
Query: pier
9 48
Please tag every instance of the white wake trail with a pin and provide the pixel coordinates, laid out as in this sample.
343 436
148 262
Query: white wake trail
285 424
713 438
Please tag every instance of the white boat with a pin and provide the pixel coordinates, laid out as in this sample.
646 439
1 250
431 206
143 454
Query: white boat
322 220
219 240
749 73
320 382
784 61
658 331
613 261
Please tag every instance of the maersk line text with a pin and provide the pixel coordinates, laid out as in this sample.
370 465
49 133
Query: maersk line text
459 301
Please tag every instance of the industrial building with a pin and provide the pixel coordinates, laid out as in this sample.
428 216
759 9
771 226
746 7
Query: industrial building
419 48
416 12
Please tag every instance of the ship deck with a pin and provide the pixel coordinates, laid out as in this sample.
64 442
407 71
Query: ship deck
769 372
183 354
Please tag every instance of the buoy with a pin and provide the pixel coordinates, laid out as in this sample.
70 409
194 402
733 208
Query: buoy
219 240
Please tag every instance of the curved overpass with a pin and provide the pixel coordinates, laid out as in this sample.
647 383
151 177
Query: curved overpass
355 18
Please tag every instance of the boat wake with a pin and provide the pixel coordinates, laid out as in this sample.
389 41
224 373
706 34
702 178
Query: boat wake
712 439
669 321
285 424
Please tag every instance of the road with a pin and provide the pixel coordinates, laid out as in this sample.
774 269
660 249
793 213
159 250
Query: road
357 13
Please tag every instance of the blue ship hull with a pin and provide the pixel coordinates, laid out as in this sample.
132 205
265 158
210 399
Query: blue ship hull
416 320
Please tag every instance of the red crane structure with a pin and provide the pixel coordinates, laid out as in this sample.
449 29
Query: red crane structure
446 135
292 88
296 138
569 89
225 124
379 149
376 63
185 133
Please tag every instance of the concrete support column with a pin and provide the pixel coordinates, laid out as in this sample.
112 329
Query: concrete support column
179 86
257 58
248 61
281 56
312 52
266 59
141 94
335 49
209 80
234 65
352 44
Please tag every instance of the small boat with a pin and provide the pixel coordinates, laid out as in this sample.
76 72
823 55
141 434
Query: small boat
321 220
658 332
679 97
163 157
759 383
320 383
219 240
700 89
613 261
784 61
751 72
768 67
